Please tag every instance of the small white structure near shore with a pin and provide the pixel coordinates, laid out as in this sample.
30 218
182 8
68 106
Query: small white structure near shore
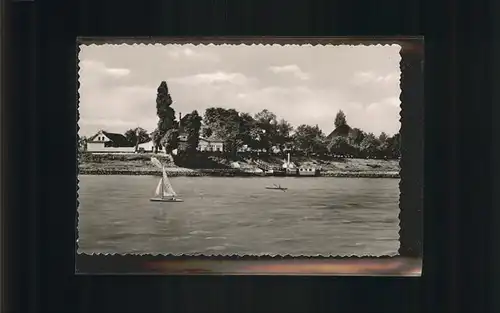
308 171
290 167
253 170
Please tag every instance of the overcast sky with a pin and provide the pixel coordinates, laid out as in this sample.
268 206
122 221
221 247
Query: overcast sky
304 85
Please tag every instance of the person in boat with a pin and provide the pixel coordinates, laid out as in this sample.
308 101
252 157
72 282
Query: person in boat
169 197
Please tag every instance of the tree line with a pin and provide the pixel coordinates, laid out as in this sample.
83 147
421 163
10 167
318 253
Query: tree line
263 132
357 143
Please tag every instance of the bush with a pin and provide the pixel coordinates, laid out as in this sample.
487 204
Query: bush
201 160
99 158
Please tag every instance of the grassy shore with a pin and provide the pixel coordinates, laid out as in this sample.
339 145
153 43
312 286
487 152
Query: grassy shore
139 164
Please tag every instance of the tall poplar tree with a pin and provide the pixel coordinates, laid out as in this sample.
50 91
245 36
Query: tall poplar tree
166 119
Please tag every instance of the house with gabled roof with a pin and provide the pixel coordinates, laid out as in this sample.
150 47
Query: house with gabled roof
341 131
109 142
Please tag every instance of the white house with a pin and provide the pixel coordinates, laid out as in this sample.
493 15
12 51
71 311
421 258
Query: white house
211 144
109 142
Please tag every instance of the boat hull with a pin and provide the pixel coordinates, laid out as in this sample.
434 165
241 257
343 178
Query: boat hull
274 188
166 200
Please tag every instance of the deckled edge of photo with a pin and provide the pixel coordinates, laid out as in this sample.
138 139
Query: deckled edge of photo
406 216
412 154
77 216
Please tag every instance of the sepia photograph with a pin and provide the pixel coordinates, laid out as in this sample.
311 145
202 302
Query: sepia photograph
237 149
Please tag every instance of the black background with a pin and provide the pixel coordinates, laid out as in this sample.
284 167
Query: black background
39 151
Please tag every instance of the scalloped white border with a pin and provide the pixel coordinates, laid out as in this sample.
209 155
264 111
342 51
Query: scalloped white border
89 42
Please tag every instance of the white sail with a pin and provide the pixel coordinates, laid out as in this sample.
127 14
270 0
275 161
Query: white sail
164 188
168 191
158 188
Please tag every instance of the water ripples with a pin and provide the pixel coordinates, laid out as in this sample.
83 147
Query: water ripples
238 216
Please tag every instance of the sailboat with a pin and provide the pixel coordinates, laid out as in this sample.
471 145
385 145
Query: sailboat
164 191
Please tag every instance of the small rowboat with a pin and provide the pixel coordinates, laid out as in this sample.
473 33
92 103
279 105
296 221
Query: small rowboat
158 199
277 188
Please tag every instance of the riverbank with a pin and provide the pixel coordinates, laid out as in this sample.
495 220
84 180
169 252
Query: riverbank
140 164
227 173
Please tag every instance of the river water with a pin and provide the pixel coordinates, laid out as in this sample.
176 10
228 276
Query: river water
222 215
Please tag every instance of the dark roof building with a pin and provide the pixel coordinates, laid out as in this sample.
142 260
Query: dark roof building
110 139
342 131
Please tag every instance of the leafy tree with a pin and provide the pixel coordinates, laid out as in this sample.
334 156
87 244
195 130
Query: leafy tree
249 132
393 149
396 145
82 143
340 119
137 135
166 116
283 134
390 147
232 132
356 136
384 145
212 117
225 124
383 137
370 145
206 132
384 150
215 121
82 147
191 125
267 124
309 139
170 140
157 136
322 145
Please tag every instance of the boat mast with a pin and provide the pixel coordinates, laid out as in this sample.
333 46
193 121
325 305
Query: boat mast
162 182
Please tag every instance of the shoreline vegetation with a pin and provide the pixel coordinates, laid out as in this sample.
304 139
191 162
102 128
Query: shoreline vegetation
139 164
228 173
225 142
